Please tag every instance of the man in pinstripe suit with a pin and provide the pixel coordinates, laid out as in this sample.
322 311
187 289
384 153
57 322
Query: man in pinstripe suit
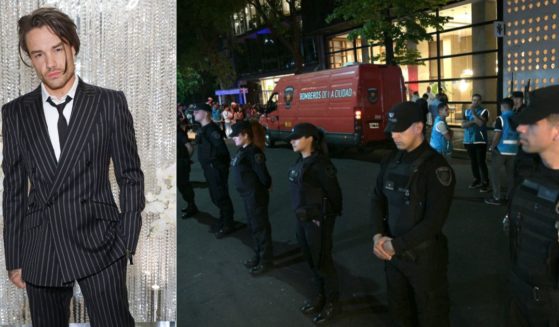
61 223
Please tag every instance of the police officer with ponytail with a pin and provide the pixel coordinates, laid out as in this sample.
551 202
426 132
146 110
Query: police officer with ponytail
316 201
409 207
253 182
533 216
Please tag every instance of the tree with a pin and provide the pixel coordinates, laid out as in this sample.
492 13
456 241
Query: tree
203 35
285 28
394 24
188 84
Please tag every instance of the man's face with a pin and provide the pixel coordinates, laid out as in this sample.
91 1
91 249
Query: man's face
537 137
200 115
409 139
52 59
476 102
443 112
517 102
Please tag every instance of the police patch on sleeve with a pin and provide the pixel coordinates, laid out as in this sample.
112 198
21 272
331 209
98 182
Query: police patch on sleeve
444 175
259 158
330 171
216 135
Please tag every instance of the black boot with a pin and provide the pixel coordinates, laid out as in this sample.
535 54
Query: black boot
261 268
328 312
252 262
190 211
313 306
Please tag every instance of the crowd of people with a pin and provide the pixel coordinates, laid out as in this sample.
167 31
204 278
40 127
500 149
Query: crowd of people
410 202
503 146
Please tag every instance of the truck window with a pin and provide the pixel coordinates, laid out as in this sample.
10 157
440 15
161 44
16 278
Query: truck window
272 103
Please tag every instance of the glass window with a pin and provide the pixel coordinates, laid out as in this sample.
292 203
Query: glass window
462 90
461 41
425 72
460 15
469 66
427 49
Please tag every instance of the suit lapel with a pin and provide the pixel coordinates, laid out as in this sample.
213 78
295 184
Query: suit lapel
39 138
84 112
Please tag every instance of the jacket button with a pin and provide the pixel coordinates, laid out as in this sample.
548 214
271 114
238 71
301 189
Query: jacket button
49 204
83 201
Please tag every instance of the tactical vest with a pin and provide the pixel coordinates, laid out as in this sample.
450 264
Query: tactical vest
533 232
475 134
406 203
245 178
438 141
306 196
508 145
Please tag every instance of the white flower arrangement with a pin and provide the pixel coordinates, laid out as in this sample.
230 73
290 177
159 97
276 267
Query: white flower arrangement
163 202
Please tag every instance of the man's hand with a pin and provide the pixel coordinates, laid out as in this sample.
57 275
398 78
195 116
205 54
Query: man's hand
15 277
388 248
316 222
379 247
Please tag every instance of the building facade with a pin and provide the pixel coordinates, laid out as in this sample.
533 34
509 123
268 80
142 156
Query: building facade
470 55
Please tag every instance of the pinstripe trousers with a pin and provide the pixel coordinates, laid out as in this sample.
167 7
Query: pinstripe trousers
105 295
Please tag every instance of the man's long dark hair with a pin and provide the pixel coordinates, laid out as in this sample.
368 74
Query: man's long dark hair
58 22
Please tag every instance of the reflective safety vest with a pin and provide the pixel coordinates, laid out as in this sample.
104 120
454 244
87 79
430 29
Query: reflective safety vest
475 134
438 141
508 145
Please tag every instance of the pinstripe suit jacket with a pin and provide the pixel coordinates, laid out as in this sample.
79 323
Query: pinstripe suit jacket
61 222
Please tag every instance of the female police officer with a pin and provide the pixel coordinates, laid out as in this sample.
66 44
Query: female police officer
316 200
252 180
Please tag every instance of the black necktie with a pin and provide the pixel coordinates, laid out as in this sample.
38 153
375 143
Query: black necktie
62 123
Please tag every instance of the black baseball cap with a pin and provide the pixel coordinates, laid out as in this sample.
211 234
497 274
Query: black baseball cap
402 116
517 94
303 130
237 128
202 107
542 103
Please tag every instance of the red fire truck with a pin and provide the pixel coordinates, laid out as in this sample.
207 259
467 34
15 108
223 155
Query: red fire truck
349 103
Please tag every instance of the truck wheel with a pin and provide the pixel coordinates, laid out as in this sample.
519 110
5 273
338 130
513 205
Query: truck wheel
268 141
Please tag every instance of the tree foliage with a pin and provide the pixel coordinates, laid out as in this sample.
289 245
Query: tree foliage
203 32
285 27
392 23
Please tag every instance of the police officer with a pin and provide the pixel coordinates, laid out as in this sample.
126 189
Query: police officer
410 204
253 182
316 200
534 215
214 158
184 150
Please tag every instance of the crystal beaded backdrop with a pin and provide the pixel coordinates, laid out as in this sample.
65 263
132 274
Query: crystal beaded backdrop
127 45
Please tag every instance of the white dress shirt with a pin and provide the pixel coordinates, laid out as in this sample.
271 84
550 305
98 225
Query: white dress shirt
51 114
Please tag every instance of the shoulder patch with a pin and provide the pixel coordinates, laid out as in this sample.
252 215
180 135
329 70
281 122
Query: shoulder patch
216 135
330 170
259 158
444 175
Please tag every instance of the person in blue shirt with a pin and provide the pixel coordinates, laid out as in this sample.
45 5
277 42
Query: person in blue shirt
475 141
503 148
441 135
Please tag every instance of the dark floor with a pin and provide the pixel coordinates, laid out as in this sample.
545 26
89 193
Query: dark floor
216 290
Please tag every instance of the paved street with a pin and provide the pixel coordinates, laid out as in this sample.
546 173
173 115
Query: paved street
215 289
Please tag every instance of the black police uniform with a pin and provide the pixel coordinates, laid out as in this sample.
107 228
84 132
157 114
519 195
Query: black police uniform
253 181
410 204
533 218
183 170
316 195
214 158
